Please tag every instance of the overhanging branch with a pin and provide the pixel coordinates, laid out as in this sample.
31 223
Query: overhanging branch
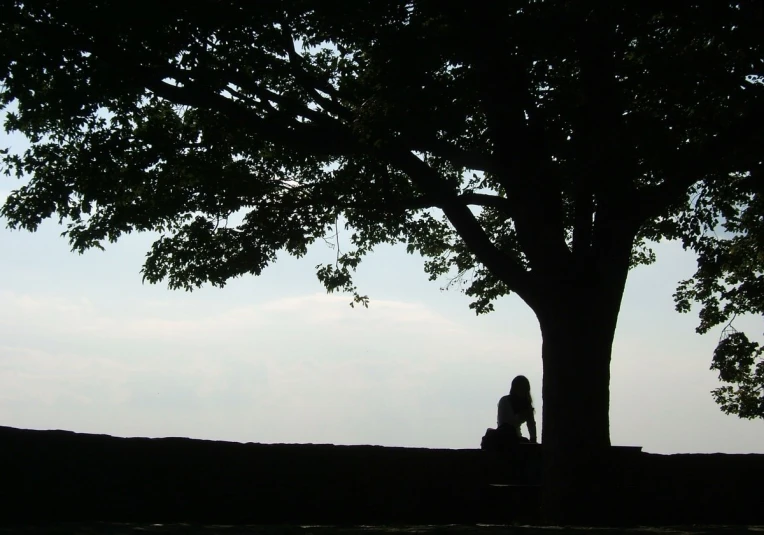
464 221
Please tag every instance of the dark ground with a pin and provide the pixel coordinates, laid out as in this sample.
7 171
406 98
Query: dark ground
185 529
59 476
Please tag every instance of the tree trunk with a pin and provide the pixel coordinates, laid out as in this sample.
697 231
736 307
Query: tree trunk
578 322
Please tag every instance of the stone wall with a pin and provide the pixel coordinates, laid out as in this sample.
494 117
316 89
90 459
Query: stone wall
64 476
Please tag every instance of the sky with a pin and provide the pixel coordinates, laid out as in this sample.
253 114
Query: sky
86 346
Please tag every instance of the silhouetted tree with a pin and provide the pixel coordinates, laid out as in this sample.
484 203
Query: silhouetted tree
532 147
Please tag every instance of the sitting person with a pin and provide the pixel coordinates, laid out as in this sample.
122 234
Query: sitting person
517 409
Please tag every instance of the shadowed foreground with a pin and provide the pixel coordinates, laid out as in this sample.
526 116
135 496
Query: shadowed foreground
186 529
60 476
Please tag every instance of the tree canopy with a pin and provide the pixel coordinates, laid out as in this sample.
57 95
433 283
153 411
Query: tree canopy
521 145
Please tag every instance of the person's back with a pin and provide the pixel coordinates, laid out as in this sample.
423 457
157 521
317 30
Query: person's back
516 409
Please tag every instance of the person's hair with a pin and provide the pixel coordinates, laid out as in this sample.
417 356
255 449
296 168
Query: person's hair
520 395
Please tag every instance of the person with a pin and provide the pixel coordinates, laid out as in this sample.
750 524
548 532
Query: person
516 409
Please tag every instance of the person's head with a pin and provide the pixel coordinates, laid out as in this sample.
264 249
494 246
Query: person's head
520 393
521 386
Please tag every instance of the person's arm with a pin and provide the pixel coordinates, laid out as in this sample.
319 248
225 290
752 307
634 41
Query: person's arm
532 427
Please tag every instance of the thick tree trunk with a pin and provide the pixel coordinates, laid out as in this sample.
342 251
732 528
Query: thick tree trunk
576 389
578 321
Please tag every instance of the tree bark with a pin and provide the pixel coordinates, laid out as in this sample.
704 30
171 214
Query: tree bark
578 319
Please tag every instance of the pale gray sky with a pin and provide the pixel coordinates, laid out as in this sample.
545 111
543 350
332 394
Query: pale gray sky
85 346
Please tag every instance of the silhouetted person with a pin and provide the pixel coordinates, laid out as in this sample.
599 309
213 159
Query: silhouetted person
517 409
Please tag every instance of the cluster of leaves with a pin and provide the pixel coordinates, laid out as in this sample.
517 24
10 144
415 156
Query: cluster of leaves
728 283
739 362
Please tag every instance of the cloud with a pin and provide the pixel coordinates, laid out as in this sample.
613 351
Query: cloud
325 316
38 377
294 350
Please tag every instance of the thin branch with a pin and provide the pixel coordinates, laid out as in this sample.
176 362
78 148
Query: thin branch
309 81
311 138
229 76
337 239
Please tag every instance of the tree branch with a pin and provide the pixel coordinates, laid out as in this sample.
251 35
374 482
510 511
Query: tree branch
461 217
518 139
460 158
305 137
228 75
309 81
466 199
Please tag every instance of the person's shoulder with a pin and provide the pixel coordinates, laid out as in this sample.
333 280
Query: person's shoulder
504 399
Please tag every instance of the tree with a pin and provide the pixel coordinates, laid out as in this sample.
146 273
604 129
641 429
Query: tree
534 147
